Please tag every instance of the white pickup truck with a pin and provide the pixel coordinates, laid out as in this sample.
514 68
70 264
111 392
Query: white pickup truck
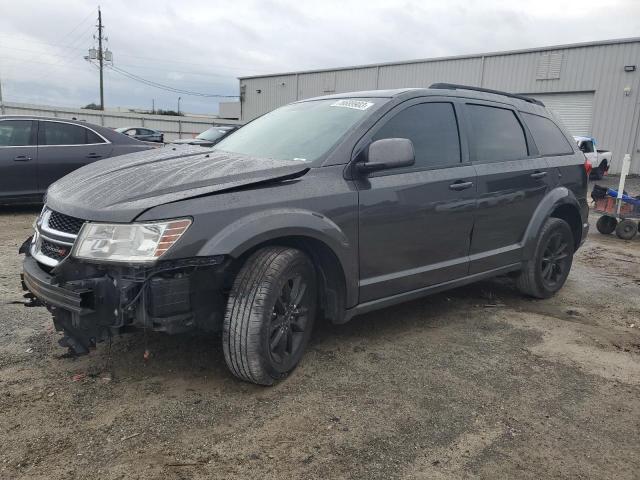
600 159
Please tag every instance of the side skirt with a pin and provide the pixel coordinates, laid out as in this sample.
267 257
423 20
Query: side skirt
423 292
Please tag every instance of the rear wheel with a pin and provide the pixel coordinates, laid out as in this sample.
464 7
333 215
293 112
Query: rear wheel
270 314
606 224
626 229
549 268
598 172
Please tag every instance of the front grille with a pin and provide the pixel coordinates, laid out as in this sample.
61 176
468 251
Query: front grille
53 250
64 223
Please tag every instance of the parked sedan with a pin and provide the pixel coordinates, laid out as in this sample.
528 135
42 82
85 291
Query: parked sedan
37 151
143 134
210 137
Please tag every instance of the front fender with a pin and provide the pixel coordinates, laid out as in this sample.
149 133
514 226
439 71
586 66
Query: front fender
556 197
247 232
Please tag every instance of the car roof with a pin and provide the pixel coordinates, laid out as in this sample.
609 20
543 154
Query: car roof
460 92
108 133
55 119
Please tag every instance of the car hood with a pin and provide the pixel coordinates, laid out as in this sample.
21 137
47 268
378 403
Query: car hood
121 188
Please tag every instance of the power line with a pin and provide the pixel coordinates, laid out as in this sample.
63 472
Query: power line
166 87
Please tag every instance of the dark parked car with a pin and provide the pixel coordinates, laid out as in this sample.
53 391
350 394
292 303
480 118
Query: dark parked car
329 207
37 151
142 134
209 137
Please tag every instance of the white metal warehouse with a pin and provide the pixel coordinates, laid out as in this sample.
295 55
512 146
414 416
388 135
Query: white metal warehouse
593 87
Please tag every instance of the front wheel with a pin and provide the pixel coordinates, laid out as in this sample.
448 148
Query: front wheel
547 271
270 314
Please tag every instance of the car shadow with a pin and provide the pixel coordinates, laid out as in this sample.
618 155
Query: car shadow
198 357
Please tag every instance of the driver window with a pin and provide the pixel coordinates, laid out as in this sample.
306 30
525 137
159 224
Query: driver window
433 130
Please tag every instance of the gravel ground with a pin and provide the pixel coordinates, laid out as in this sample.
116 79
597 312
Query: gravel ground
477 382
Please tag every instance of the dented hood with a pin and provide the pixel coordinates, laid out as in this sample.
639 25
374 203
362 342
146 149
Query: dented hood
121 188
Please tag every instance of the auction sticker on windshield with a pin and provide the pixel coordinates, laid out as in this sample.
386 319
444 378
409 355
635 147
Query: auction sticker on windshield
355 104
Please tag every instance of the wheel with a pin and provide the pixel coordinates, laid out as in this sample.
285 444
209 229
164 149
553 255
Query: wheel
549 268
270 314
626 229
598 172
606 224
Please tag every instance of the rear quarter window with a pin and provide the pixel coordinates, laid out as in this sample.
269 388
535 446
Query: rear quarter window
548 137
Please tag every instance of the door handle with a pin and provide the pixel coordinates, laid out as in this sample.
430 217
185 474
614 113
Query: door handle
460 185
22 158
538 175
94 155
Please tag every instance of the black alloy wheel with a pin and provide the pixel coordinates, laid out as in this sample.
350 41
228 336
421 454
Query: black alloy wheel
270 314
556 260
547 270
289 320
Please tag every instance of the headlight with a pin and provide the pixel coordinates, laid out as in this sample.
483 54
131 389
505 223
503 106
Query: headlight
133 242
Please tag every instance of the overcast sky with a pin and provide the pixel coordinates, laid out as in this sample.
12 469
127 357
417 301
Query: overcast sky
203 46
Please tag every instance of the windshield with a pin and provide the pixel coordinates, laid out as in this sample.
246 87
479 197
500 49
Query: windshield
213 134
301 131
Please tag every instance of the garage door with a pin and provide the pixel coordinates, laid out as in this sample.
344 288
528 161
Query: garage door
575 110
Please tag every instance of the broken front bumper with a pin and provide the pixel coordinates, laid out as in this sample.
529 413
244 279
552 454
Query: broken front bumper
91 302
35 280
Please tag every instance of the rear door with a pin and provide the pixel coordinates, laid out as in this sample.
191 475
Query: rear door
512 181
415 222
18 158
64 147
567 164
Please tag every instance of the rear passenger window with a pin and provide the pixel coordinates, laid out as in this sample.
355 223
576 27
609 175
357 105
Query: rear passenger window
497 133
55 133
433 129
548 137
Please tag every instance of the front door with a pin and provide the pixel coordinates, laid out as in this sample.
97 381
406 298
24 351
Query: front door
18 159
415 222
512 181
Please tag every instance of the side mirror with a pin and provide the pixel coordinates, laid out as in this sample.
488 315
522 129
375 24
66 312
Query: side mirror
388 153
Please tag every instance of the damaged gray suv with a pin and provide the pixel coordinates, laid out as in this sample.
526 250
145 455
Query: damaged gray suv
324 208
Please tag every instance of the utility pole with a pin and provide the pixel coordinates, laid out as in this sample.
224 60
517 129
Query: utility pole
100 58
179 98
153 105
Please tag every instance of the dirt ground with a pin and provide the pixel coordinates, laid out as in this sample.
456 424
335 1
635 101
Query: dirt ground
478 382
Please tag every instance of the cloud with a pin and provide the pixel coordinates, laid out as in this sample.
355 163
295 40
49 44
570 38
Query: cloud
203 46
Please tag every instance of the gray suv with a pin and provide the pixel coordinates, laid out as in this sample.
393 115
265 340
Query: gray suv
324 208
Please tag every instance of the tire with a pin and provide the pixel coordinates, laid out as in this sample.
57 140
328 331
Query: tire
626 229
598 172
269 315
606 224
546 273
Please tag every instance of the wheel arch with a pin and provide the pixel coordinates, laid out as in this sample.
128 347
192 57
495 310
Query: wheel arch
315 234
559 203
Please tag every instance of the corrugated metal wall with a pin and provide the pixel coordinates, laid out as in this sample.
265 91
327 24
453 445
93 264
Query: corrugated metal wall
173 127
597 68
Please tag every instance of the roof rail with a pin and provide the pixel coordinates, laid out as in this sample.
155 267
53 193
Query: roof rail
453 86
